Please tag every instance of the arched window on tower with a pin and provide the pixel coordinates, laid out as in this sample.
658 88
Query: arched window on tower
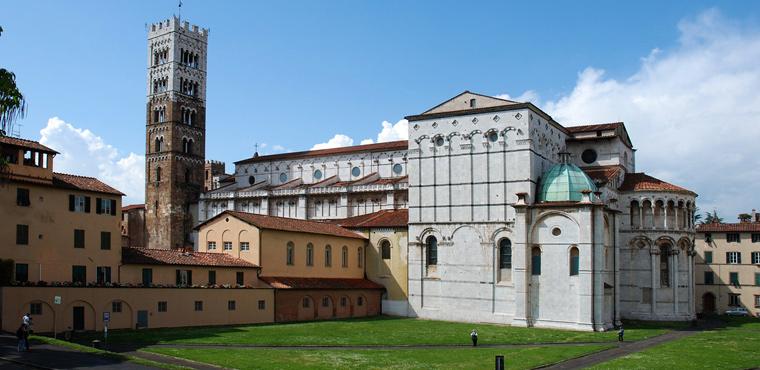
195 61
190 146
575 261
158 145
505 259
535 261
431 250
191 121
158 174
665 265
184 145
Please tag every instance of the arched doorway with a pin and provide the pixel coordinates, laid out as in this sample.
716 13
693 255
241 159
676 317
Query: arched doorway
708 303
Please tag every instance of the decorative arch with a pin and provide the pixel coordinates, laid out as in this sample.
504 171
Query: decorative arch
89 314
498 234
42 323
477 232
641 241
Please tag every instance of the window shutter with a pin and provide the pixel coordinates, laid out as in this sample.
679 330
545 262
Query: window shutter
71 202
113 207
727 257
98 206
179 277
189 277
87 204
738 257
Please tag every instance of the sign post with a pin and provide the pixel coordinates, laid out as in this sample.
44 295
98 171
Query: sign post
56 300
106 320
500 362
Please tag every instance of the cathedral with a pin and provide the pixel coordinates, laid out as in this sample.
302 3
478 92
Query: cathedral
491 211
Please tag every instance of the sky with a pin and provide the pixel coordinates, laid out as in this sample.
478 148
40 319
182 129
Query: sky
295 75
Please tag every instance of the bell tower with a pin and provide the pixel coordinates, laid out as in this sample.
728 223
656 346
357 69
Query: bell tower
175 131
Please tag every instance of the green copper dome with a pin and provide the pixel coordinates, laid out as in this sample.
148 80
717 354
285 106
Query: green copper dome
564 182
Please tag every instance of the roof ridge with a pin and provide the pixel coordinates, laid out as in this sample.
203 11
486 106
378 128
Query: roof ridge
73 175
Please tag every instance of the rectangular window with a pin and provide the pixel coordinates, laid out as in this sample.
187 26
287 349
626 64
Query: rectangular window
325 302
162 306
756 258
211 245
244 246
22 197
756 238
22 272
574 264
709 278
105 206
212 278
343 301
230 305
228 246
757 279
239 278
360 301
733 257
199 305
184 277
105 240
104 274
78 238
289 255
79 203
262 304
79 274
708 237
147 277
733 300
708 257
22 234
734 278
535 264
35 309
116 306
757 301
732 237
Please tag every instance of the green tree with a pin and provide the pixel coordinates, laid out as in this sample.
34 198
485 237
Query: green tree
745 217
12 102
713 217
697 217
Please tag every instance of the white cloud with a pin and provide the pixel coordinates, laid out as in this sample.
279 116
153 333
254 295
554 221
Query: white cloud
278 148
394 131
693 112
527 96
367 141
337 141
84 153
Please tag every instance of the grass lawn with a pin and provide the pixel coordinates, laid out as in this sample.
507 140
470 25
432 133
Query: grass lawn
99 352
381 330
460 358
737 346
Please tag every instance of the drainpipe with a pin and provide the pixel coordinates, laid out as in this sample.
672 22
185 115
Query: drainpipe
593 272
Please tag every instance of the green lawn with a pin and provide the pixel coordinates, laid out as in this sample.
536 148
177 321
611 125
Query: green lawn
460 358
735 347
370 331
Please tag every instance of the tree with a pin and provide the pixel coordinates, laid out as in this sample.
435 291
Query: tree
12 102
745 217
713 218
697 217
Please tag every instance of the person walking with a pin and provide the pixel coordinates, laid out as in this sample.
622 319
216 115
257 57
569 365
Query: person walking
26 337
20 336
474 337
621 333
26 319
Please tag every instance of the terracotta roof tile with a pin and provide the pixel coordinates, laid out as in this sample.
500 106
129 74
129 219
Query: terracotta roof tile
384 218
26 144
83 183
603 174
391 180
378 147
132 206
594 127
150 256
289 224
643 182
279 282
720 227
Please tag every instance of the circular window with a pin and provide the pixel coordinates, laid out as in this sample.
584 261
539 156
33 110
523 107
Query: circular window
398 168
227 219
356 171
439 141
317 174
556 231
283 177
251 180
493 136
589 156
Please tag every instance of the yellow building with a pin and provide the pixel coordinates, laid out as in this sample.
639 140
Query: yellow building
316 268
727 268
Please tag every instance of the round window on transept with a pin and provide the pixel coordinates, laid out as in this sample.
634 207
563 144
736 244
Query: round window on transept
588 156
283 177
318 174
251 180
493 136
398 168
356 171
556 231
439 141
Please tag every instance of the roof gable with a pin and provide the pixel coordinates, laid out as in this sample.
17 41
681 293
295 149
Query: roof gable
462 102
287 224
643 182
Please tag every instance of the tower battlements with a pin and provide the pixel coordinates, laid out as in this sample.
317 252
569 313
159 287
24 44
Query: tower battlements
174 24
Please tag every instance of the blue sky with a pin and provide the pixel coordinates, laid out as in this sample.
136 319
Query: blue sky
294 74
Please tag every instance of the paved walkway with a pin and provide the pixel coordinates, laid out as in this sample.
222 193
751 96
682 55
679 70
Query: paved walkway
45 356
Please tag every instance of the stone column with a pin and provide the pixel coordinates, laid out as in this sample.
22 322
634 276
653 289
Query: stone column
675 281
665 216
303 209
343 206
653 306
641 215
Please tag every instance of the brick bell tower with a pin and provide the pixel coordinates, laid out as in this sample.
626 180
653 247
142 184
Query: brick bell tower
175 132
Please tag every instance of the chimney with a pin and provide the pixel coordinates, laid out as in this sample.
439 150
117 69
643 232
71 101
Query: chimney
755 216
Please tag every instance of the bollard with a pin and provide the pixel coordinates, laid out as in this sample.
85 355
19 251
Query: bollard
499 362
96 344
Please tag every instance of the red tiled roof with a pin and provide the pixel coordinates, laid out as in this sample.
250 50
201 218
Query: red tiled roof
289 224
391 145
132 206
594 127
151 256
26 144
279 282
384 218
602 173
390 180
643 182
83 183
720 227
